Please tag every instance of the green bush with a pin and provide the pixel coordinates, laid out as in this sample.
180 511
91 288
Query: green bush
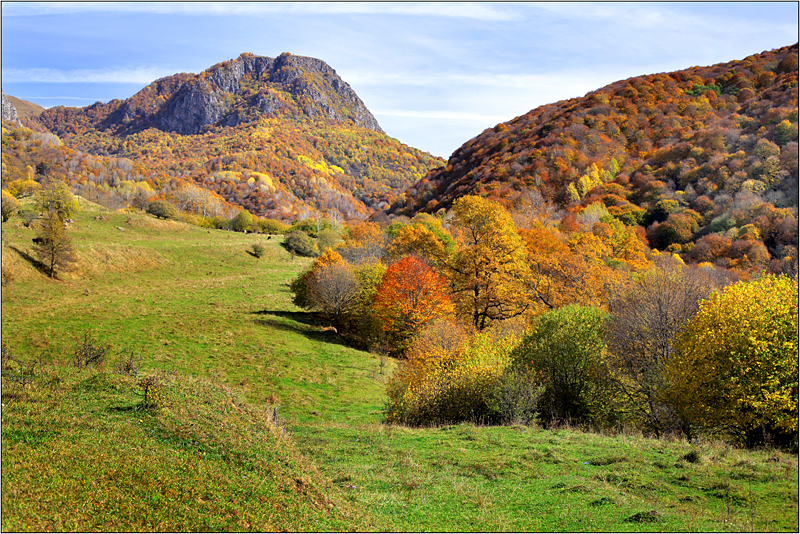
309 227
328 238
272 227
299 243
566 350
515 398
258 250
163 210
243 222
215 222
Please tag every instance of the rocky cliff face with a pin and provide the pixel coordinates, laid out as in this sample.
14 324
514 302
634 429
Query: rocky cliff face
231 93
9 111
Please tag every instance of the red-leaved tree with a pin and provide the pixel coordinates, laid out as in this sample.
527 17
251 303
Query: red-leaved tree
410 296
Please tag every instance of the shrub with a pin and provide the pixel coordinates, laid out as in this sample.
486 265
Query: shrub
10 205
333 291
300 244
6 356
152 391
450 377
306 226
89 352
272 227
127 364
565 348
163 210
218 223
736 365
515 399
258 250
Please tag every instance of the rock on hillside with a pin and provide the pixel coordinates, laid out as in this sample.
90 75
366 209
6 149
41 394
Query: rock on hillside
25 110
9 111
227 94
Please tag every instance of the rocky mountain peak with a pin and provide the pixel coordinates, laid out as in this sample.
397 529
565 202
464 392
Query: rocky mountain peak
235 92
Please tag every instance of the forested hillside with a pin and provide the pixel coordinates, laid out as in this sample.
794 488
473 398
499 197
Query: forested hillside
282 137
703 158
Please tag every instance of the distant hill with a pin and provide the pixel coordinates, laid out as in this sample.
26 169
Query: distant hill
283 137
686 154
25 109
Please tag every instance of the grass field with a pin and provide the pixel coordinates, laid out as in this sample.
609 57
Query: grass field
270 423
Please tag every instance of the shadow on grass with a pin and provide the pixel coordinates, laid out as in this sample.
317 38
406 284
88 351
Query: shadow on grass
299 322
39 266
136 407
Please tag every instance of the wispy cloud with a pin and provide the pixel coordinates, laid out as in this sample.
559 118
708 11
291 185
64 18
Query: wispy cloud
138 75
439 115
468 10
31 97
483 79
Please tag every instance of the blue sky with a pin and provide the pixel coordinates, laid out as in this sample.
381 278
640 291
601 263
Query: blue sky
433 74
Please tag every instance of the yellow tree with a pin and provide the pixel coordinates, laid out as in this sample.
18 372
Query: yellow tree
564 272
417 240
735 367
488 271
56 197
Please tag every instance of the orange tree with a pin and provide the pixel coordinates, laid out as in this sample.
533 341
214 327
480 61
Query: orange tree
488 270
736 365
410 296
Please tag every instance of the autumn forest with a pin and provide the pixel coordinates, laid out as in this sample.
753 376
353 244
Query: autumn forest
622 262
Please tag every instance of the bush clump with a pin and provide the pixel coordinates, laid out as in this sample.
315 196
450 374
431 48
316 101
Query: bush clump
736 366
163 210
258 250
300 244
272 227
152 391
89 352
452 377
566 349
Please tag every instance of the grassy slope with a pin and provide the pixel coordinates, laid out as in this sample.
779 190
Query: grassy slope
79 454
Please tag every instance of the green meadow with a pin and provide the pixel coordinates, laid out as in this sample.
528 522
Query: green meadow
260 419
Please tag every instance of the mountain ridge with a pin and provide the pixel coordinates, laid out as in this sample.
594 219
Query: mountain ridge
226 94
283 138
704 160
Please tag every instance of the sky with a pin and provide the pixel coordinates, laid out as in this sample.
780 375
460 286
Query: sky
434 75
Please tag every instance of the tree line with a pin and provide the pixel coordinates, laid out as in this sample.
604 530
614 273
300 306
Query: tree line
540 315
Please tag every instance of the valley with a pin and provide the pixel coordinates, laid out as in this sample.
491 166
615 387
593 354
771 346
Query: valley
232 302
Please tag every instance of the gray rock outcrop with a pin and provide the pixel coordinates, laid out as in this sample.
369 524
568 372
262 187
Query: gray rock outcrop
9 111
